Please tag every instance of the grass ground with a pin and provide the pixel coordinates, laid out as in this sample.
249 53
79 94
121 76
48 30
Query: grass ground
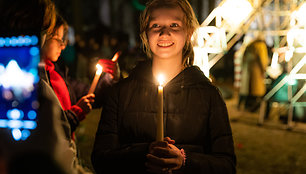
266 149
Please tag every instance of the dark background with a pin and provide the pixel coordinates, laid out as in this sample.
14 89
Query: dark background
92 20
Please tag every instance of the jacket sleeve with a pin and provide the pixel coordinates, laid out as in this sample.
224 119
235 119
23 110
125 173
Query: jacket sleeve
219 156
72 119
109 155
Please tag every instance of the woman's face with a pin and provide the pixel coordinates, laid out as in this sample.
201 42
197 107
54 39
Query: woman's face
167 33
54 46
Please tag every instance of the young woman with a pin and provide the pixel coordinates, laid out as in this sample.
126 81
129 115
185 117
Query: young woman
196 126
75 111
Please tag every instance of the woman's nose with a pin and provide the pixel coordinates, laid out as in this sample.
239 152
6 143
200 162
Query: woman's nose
63 46
164 31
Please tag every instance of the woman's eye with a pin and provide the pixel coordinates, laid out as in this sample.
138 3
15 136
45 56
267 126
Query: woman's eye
174 25
155 26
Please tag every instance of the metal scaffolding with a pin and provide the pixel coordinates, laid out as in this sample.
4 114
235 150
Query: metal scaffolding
279 19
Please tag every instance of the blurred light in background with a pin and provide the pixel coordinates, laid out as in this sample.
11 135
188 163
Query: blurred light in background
298 16
235 11
207 39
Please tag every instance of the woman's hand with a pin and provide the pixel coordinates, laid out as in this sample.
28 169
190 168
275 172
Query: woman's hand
163 157
110 67
85 102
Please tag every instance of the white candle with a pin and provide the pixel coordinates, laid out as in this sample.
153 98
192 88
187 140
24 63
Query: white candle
160 117
96 79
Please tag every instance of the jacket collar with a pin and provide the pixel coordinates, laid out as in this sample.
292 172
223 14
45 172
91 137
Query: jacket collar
188 77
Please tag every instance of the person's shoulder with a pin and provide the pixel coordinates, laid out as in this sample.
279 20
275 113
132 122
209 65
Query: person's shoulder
194 74
141 71
141 67
123 84
198 78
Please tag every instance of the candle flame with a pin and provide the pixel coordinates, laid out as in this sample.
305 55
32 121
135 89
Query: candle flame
116 56
99 69
161 79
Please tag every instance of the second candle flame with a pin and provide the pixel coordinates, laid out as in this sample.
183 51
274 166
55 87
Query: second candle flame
99 69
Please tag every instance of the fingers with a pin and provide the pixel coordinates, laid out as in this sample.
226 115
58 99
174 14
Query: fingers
169 140
159 164
164 152
85 105
105 61
89 98
164 155
109 70
153 168
156 161
157 143
87 108
85 102
108 66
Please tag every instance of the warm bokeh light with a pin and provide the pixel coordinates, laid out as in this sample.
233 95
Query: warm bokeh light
274 61
235 11
297 38
298 16
201 60
212 38
207 40
288 55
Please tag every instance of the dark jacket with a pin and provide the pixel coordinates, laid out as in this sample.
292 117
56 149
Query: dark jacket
195 116
49 144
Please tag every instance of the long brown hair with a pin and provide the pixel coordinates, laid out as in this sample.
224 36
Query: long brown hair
190 21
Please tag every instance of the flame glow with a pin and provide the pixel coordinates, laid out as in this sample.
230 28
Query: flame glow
116 56
99 69
161 79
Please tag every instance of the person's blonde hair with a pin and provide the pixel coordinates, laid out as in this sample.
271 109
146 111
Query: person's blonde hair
190 21
60 21
49 18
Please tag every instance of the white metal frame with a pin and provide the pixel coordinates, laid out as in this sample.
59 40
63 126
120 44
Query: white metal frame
281 28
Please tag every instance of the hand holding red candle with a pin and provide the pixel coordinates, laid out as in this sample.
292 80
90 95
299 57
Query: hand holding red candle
110 66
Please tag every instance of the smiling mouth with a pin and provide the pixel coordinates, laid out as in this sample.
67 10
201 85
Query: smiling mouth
165 44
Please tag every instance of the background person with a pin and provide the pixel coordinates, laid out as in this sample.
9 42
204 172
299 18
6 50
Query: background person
254 64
